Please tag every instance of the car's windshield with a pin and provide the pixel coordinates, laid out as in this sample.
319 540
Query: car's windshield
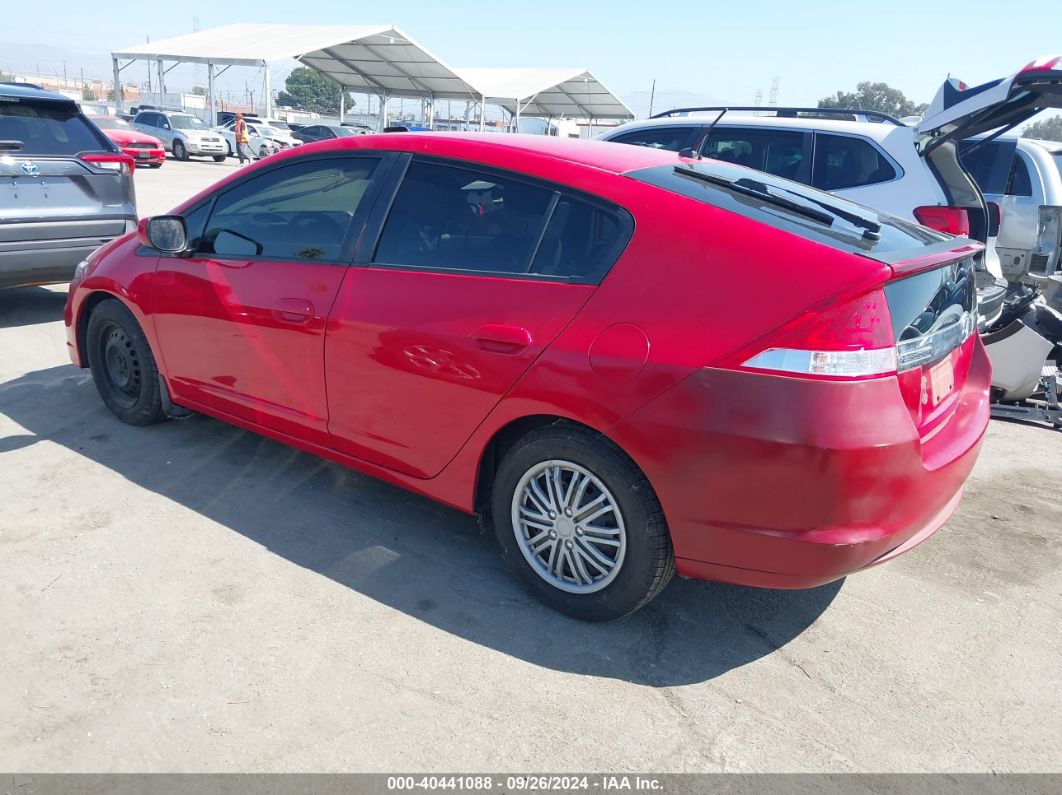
279 125
182 121
109 123
342 132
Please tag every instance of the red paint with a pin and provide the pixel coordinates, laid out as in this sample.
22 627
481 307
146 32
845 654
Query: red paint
407 375
142 148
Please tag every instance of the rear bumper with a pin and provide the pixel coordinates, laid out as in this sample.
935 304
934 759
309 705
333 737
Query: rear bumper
790 483
146 156
45 262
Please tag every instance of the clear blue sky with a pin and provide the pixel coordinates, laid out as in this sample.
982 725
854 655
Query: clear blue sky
725 51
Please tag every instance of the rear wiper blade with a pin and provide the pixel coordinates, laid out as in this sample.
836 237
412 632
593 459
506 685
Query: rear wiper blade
10 146
871 227
749 187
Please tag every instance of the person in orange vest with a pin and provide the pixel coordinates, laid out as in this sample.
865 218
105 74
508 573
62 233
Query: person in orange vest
243 140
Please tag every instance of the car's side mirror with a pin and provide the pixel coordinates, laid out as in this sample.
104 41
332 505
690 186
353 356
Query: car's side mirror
995 214
165 233
165 126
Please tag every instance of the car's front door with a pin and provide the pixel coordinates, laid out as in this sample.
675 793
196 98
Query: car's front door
475 272
241 321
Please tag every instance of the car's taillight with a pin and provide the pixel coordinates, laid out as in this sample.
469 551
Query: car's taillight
123 164
852 339
953 220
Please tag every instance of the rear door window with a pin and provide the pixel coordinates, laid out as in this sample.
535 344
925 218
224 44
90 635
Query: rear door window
843 161
48 129
451 218
297 212
671 138
783 153
1019 184
989 163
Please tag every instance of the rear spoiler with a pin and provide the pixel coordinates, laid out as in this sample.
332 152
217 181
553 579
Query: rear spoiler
944 253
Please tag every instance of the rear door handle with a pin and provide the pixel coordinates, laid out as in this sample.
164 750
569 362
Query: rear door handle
293 310
502 338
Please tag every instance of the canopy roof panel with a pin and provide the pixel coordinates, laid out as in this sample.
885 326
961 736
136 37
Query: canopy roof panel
380 59
547 92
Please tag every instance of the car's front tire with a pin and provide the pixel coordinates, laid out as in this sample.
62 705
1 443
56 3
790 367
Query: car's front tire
180 151
122 365
220 158
580 525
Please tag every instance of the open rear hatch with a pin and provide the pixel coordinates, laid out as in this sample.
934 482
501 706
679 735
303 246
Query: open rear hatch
959 111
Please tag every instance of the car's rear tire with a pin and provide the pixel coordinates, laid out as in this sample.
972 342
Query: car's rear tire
122 365
580 525
180 151
220 158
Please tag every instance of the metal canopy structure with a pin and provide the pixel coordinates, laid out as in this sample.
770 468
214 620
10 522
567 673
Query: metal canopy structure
380 60
574 93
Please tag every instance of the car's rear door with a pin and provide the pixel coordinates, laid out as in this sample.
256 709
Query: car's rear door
64 183
241 321
473 274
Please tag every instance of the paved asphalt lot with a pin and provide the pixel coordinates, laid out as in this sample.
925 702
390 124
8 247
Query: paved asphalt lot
191 597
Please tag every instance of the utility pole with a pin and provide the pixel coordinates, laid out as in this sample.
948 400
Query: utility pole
652 96
64 74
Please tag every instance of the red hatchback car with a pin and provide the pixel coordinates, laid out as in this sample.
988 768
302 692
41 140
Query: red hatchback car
146 150
632 362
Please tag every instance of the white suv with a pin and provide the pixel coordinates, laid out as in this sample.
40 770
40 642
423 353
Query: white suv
869 158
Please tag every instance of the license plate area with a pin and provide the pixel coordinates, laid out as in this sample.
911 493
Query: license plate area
941 380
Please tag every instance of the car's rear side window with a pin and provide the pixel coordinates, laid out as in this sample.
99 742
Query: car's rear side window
296 212
47 129
779 152
1019 183
671 138
844 161
451 218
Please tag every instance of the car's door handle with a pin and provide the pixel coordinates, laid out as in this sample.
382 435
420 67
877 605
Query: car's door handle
502 338
293 310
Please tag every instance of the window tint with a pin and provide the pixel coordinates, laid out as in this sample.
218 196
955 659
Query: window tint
845 162
581 240
670 138
779 152
1019 183
452 218
301 211
989 164
47 129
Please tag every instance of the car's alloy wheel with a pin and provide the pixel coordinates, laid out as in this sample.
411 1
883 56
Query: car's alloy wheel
179 151
569 527
579 524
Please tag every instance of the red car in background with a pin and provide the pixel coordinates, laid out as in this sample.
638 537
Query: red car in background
145 150
631 362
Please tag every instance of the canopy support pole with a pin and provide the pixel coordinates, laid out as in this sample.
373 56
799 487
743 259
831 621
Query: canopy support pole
162 85
482 105
381 122
211 110
516 127
268 79
342 104
119 100
431 112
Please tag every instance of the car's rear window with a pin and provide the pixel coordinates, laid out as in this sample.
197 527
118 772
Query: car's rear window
849 226
47 129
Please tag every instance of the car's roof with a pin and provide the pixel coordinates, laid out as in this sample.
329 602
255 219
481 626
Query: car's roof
26 91
1054 147
870 129
615 158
